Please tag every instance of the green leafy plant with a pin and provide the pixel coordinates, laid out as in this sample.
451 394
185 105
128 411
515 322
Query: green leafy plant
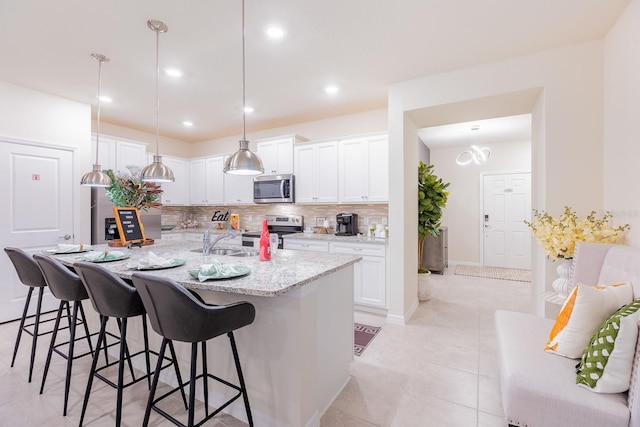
131 191
432 197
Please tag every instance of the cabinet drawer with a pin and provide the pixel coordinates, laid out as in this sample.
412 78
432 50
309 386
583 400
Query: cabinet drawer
306 245
358 249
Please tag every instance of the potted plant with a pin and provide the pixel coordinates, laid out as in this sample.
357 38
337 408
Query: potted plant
131 191
432 197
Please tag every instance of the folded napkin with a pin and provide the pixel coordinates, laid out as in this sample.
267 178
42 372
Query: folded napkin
215 270
96 256
72 248
152 260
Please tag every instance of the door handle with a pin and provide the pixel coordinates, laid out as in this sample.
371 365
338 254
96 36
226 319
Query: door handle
486 226
65 237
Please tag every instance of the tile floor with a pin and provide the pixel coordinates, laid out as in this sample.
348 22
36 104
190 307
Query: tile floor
438 370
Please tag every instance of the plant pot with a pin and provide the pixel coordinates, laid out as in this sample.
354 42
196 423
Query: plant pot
425 286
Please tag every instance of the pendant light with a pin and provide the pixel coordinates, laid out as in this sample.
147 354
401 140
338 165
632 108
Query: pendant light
157 171
97 178
243 161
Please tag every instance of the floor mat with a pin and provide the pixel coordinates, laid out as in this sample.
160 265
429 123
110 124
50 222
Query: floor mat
364 334
494 272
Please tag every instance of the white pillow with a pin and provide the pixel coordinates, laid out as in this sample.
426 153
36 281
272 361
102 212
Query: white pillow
606 364
584 310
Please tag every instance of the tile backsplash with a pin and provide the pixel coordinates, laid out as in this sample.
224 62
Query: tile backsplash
251 215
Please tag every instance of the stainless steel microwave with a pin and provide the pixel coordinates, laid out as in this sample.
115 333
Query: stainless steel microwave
273 189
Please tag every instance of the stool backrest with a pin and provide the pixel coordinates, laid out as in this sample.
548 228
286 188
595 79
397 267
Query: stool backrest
110 295
176 314
27 269
63 283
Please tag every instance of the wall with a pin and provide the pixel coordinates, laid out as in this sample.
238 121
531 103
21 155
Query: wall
621 148
568 150
463 211
29 115
168 146
251 215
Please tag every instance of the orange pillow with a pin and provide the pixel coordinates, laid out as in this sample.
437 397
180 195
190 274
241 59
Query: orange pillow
582 313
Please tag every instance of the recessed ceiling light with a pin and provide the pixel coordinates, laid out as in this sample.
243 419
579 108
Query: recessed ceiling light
331 89
105 99
248 109
187 123
275 32
173 72
475 127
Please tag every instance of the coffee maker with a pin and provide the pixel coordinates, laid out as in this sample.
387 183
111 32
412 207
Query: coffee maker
346 224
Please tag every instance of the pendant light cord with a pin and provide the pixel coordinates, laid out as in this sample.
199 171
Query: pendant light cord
99 101
244 138
157 93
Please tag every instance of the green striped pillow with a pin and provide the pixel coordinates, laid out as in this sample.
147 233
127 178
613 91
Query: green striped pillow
605 366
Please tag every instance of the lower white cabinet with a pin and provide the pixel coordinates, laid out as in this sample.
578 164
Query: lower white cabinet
369 281
370 274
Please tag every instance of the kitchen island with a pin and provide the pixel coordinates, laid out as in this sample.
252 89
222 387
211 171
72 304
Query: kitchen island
296 354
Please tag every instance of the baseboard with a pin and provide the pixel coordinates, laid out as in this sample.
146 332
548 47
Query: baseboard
368 309
402 320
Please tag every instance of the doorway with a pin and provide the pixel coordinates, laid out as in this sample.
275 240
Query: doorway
37 213
506 204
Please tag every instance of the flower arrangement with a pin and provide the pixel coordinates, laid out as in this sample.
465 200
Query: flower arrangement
130 190
558 236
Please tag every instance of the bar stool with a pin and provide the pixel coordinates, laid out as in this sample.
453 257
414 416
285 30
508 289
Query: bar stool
29 275
113 297
67 287
177 314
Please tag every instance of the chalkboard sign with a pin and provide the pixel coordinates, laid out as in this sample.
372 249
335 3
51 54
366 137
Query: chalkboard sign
129 225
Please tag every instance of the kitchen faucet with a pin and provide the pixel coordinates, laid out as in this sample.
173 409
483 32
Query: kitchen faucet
208 243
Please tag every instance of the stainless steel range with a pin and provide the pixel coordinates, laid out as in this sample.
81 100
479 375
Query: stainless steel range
281 224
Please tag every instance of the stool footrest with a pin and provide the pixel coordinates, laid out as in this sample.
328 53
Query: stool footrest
184 385
134 380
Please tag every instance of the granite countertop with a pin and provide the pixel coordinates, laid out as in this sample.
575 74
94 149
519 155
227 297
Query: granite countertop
287 270
334 238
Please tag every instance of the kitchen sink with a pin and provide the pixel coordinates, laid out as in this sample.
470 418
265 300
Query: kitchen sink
246 253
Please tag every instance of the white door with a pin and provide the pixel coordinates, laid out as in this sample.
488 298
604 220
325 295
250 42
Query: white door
507 203
37 195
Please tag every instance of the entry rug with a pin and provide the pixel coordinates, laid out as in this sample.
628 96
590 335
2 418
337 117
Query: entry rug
364 334
494 273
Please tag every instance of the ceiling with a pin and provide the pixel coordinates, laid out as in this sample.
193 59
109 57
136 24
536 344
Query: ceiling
360 46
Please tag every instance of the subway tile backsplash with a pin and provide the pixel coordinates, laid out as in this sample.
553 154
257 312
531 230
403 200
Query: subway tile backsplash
251 215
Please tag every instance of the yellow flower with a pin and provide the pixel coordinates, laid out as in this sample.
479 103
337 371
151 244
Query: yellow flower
558 236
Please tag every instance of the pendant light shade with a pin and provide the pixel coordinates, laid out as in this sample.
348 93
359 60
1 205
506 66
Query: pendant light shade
157 171
243 161
97 178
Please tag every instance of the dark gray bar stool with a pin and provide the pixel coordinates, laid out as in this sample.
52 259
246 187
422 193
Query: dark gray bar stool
177 314
113 297
67 287
30 275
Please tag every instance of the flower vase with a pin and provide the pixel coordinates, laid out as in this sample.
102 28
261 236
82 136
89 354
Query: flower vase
562 285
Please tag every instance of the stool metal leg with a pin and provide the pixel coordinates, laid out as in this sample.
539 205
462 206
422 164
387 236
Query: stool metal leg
123 354
154 383
192 384
54 335
21 327
86 328
35 333
241 378
145 334
94 363
177 368
205 378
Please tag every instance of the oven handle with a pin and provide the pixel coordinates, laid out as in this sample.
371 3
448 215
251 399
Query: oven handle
282 188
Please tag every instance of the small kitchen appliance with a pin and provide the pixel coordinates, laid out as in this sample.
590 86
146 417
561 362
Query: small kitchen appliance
278 224
346 224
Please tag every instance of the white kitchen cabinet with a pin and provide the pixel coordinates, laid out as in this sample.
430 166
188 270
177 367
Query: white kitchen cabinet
316 172
306 245
238 189
116 154
370 287
206 181
276 155
363 169
176 193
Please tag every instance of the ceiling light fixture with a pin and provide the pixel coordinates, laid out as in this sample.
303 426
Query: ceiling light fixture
187 123
248 109
97 178
331 89
105 98
173 72
275 32
156 171
243 161
476 155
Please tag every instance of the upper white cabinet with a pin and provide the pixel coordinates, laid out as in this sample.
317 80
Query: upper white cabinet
316 172
116 154
277 154
238 189
363 169
206 181
176 193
